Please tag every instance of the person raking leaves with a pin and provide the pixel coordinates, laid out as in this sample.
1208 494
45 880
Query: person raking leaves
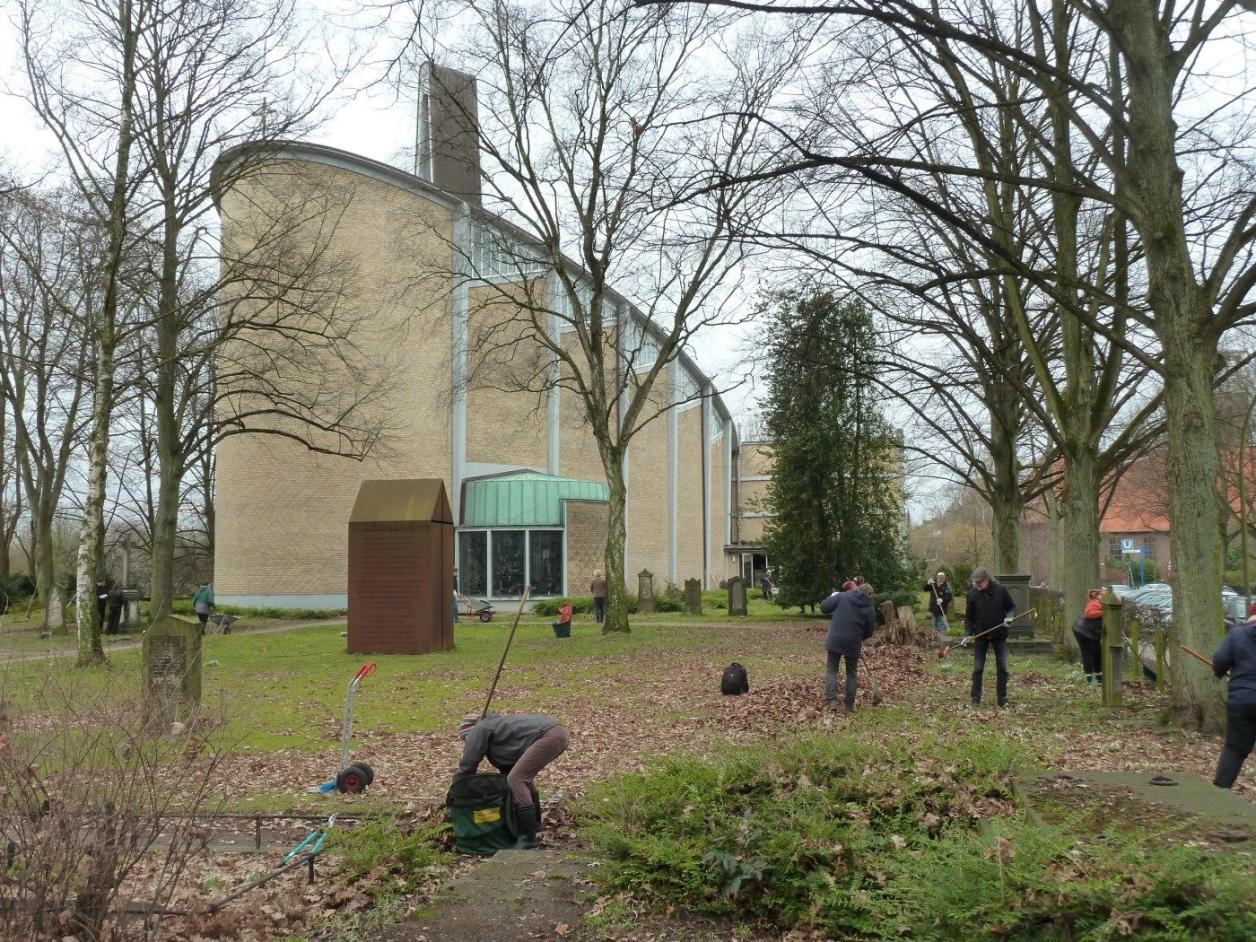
987 613
1236 656
518 746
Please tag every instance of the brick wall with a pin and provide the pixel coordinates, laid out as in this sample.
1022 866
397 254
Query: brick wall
504 426
689 529
282 510
586 543
649 533
719 564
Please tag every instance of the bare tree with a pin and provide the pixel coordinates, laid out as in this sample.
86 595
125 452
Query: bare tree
1179 170
49 293
592 140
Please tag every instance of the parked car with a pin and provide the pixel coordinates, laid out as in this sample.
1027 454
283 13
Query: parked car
1122 591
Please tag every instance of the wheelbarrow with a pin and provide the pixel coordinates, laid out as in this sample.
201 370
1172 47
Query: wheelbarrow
352 778
475 608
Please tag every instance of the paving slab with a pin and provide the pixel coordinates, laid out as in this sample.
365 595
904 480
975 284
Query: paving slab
1182 806
515 895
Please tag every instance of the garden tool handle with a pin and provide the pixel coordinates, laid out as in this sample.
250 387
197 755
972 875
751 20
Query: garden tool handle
1196 655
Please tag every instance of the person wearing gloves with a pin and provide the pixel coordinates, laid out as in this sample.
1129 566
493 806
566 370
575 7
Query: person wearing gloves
519 746
853 622
940 597
988 613
1088 631
1237 657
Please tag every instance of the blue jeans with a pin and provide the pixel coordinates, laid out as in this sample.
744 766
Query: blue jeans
940 624
599 610
980 646
852 679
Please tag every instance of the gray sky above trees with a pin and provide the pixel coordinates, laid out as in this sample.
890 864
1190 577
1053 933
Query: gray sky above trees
366 117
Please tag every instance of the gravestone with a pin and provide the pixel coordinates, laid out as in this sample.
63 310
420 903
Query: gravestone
131 609
172 671
645 592
401 563
1018 587
736 596
693 596
55 615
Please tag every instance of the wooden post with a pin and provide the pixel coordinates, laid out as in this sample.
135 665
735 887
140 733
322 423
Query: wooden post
1162 642
1113 645
1136 659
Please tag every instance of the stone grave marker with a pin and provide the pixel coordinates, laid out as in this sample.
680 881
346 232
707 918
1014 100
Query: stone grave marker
736 596
55 615
172 671
645 592
131 609
693 596
1018 587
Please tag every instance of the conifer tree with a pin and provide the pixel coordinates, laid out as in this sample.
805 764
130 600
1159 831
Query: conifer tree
835 496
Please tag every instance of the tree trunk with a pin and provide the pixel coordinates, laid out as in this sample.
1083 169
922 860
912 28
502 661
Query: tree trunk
616 538
1079 525
1198 568
45 563
1007 513
170 461
91 549
164 537
1183 323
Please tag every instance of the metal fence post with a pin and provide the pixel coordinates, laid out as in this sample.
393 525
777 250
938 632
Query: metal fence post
1136 657
1161 644
1113 647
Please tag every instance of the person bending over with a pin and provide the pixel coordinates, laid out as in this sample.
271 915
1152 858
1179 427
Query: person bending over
520 746
1088 631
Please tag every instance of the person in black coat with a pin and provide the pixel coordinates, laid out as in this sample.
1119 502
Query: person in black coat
940 598
1237 657
988 612
854 620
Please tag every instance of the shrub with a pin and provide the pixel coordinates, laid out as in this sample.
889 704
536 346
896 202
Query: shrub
184 607
961 575
13 587
867 840
393 852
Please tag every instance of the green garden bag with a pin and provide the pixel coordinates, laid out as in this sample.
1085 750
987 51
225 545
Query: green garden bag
481 812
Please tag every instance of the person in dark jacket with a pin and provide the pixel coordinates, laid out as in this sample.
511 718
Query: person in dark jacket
597 588
853 622
988 612
116 603
1237 657
940 598
1088 631
520 746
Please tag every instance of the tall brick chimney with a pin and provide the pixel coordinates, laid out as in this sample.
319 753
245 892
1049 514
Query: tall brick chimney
447 146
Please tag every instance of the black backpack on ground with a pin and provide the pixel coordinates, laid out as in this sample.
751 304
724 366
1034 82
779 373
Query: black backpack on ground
735 680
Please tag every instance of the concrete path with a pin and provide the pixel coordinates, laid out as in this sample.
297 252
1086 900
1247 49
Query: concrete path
515 895
128 643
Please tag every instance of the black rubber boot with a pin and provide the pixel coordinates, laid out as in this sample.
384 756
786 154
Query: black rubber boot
528 822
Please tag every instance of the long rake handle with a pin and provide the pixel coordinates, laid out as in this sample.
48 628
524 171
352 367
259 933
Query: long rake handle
1196 655
502 663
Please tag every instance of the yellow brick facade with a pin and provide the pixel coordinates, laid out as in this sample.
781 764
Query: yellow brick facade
689 529
649 530
283 509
